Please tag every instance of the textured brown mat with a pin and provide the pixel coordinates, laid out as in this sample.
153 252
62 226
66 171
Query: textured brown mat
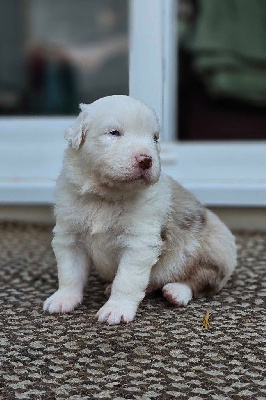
163 354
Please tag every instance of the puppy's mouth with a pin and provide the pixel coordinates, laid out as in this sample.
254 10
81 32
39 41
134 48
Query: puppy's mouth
140 178
127 182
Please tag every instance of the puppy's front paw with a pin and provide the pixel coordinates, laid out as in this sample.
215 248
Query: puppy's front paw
62 301
115 312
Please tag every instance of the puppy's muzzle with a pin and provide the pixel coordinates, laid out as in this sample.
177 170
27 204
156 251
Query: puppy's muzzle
144 161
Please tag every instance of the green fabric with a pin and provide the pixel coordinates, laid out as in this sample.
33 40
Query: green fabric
229 46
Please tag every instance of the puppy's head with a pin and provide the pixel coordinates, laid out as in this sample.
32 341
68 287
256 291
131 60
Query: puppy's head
116 141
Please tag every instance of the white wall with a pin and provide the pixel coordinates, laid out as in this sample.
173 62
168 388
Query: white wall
248 219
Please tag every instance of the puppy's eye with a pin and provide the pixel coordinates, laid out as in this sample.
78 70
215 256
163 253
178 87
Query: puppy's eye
155 138
115 133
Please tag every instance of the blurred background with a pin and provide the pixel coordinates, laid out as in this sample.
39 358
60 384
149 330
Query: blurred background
57 54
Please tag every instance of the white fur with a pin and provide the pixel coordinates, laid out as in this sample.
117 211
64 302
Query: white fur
111 213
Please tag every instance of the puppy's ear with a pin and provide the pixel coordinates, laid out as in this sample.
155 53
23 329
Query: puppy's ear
76 133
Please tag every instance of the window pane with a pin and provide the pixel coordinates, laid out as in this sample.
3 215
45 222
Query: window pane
222 69
57 54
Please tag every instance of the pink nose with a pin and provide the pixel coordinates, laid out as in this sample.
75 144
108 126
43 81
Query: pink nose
144 161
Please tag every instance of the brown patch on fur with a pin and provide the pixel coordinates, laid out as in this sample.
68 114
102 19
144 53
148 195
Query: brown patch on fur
196 218
83 136
203 218
187 221
204 277
163 235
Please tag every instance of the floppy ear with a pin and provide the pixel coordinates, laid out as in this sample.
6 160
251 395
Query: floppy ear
76 133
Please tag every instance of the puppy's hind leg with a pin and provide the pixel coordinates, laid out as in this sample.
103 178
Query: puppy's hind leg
215 262
194 281
202 278
211 267
73 267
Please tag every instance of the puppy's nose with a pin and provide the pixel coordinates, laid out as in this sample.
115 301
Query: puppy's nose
145 162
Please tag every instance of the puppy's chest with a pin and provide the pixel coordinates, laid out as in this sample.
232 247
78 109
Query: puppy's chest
104 227
104 219
105 223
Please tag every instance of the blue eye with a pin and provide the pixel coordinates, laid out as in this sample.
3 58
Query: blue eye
115 133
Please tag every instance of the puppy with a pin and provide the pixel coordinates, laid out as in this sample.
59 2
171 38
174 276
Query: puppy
139 228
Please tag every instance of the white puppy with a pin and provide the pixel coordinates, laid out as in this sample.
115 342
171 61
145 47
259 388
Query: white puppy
138 227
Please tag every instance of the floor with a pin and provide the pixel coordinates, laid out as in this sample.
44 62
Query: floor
164 354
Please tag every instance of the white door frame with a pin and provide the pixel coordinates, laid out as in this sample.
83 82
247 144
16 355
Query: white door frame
152 59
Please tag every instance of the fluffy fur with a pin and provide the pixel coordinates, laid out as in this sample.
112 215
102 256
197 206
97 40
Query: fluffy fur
140 229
